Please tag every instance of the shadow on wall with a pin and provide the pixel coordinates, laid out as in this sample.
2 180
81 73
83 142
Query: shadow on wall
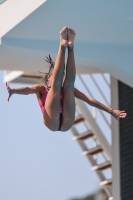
99 195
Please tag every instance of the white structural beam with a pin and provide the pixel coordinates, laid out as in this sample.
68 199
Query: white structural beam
11 59
95 128
12 75
12 12
105 67
115 142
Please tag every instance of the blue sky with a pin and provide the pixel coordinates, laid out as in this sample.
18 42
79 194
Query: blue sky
35 162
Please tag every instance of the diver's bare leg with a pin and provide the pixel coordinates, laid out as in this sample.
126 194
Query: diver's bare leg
52 104
68 87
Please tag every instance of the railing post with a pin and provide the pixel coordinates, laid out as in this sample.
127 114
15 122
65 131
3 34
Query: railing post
115 142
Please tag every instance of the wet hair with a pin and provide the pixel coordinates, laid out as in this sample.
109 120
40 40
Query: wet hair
49 73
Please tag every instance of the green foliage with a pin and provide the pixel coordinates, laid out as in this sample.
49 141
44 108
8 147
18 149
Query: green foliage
100 195
90 197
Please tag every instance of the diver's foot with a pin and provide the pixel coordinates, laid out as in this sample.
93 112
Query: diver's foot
71 37
63 37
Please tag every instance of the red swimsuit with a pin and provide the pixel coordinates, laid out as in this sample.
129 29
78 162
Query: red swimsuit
43 99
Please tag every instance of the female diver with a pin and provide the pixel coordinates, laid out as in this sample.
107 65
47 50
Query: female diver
57 97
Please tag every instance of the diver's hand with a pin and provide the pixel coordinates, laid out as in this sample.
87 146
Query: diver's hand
10 91
118 114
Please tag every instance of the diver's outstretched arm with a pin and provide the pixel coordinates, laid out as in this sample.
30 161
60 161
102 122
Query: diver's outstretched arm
24 90
93 102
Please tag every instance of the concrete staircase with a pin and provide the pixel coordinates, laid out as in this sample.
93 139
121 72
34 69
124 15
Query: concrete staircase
81 135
